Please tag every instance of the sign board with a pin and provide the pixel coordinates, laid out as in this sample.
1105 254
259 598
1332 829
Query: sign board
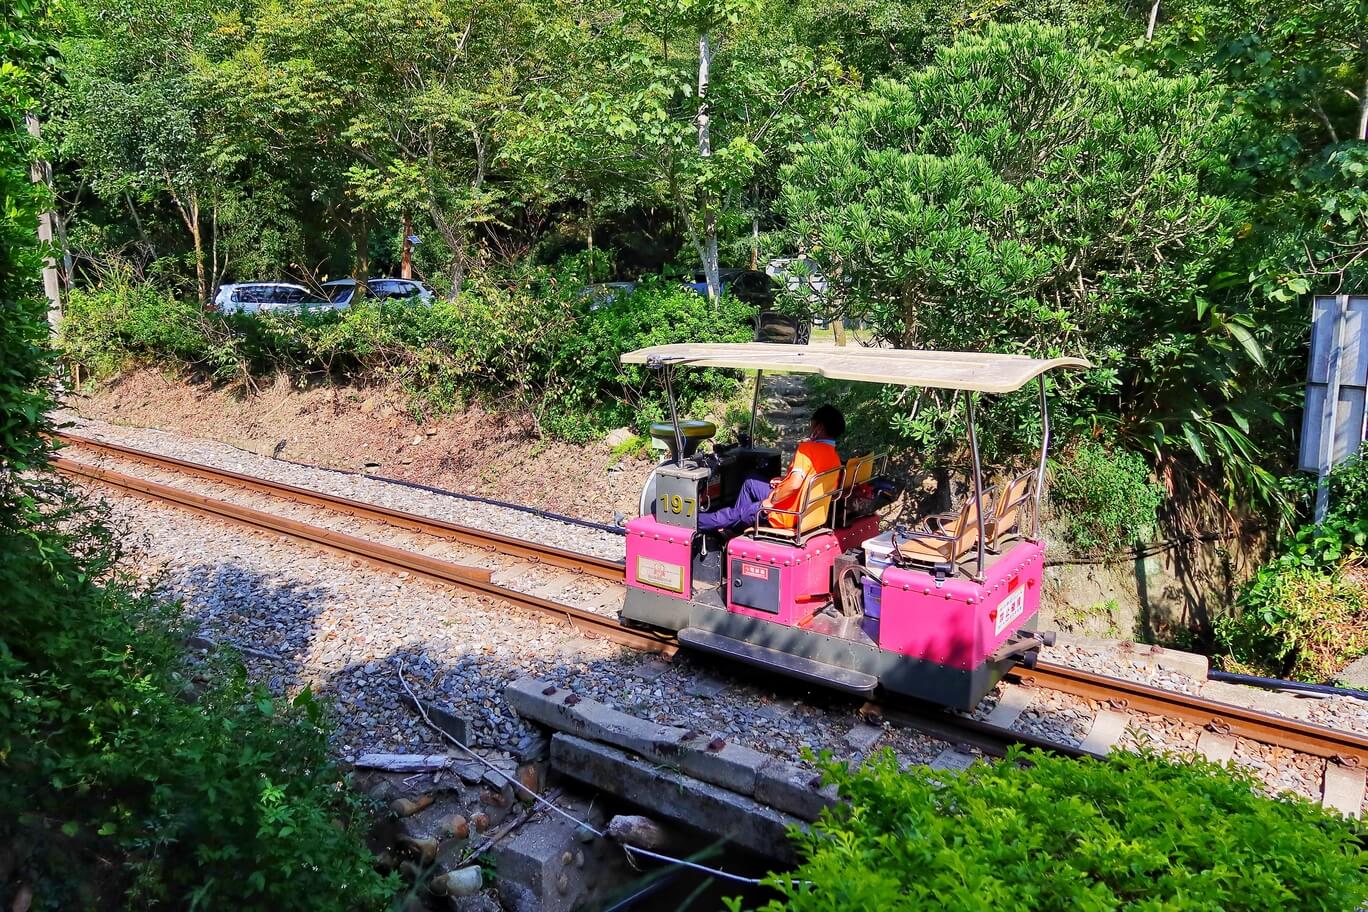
1337 379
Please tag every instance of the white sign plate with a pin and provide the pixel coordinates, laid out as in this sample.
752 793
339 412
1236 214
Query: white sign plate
1010 609
662 574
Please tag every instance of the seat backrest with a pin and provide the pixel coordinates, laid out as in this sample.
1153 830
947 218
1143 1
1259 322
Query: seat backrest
1011 503
966 530
815 504
858 470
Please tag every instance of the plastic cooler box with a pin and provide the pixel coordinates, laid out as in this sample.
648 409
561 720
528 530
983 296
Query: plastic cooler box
873 593
878 553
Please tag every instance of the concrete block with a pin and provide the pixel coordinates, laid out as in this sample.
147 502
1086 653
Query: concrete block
1216 748
588 718
951 759
705 687
733 767
671 795
863 736
1354 675
1342 789
793 790
1257 698
443 717
1187 663
555 871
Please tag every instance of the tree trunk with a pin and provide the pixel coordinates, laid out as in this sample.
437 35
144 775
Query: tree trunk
361 238
1363 113
1153 20
40 173
406 254
709 246
838 330
201 275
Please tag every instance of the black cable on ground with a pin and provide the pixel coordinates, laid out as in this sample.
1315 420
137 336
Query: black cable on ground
1328 690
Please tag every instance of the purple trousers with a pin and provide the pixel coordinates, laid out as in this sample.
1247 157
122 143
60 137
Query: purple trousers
741 513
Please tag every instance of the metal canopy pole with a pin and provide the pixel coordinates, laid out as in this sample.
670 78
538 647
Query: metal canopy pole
674 415
1040 470
755 406
978 477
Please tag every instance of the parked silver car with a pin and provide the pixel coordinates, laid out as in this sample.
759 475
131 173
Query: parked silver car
256 297
400 289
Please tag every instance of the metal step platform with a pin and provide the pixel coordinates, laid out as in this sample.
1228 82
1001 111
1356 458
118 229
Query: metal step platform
833 676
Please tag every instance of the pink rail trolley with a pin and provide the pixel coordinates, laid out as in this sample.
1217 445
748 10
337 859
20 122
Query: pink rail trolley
938 610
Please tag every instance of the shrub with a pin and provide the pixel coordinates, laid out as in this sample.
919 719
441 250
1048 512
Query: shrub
1134 832
1304 615
1104 497
527 341
1297 622
208 796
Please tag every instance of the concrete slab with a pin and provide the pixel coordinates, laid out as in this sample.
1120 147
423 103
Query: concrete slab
1257 698
1216 748
547 860
671 795
1010 706
1188 663
1106 730
706 687
863 736
793 790
1354 675
951 759
732 766
650 669
562 710
1342 789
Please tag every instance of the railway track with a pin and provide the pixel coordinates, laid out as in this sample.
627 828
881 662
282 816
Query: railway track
1346 753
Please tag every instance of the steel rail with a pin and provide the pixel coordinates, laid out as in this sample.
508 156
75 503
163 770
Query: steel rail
475 579
1222 718
601 567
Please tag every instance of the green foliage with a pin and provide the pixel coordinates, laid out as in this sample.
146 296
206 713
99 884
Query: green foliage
1304 614
1105 497
209 792
1025 193
1298 623
23 358
531 342
1135 832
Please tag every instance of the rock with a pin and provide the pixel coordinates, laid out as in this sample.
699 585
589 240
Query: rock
617 437
480 902
1354 675
532 778
517 898
416 440
456 826
639 831
480 822
424 847
461 882
368 406
533 747
407 807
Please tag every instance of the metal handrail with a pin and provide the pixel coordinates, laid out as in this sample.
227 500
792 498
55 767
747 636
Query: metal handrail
1040 470
978 480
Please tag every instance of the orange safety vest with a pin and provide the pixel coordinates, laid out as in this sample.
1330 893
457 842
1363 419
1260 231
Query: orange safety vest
812 459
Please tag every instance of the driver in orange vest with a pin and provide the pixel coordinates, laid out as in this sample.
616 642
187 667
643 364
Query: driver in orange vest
815 455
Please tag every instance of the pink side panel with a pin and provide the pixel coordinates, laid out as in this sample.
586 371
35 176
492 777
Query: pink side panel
804 575
961 622
662 555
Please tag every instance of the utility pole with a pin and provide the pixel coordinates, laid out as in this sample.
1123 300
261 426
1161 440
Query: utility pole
41 173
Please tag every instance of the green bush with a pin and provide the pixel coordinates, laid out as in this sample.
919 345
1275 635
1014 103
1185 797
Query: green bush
1037 832
1104 497
206 791
1296 622
1304 614
529 342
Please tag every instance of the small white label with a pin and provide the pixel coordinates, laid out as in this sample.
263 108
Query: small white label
1010 609
660 573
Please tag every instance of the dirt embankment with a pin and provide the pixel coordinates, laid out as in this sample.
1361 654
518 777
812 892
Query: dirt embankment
474 452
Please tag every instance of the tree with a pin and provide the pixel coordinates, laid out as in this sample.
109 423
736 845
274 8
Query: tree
691 106
1024 193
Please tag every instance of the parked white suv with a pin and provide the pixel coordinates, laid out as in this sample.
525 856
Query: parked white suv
400 289
255 297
